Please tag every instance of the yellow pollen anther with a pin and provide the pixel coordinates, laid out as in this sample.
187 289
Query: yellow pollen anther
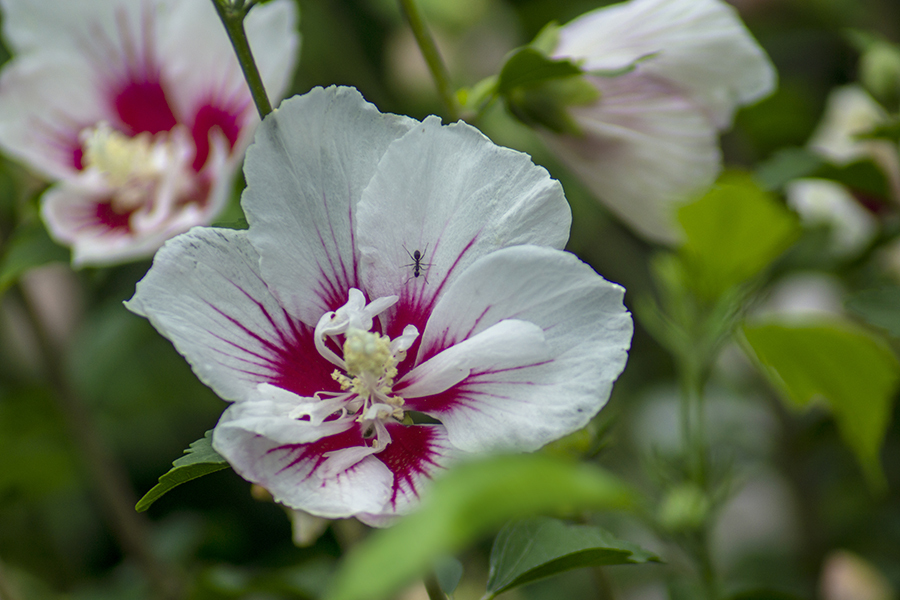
370 371
121 158
370 353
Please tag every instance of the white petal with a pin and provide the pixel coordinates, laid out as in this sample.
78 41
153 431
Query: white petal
205 294
275 42
644 149
70 215
45 102
452 195
200 66
587 332
701 46
40 25
508 344
267 415
850 111
305 174
291 471
822 202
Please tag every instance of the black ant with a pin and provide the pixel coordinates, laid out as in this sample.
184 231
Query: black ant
418 267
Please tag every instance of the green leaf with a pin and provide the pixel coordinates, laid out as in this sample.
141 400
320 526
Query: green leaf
861 176
547 38
528 67
732 233
531 549
467 503
448 571
538 89
478 97
28 247
786 165
199 460
880 308
855 373
888 131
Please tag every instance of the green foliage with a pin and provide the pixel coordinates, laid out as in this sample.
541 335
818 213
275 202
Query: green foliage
853 371
786 165
732 234
35 456
466 504
528 67
531 549
28 247
879 307
862 176
448 571
227 582
477 98
685 507
764 594
879 71
538 89
199 460
890 131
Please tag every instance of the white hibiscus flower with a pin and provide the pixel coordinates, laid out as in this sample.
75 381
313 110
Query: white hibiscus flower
137 109
651 139
392 269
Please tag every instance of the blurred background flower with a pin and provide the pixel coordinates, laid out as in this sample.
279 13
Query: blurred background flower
137 109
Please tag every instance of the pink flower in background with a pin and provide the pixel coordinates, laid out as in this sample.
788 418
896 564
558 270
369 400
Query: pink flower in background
651 140
392 268
137 109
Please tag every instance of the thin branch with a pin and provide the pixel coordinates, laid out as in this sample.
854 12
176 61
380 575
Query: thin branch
434 588
432 56
232 16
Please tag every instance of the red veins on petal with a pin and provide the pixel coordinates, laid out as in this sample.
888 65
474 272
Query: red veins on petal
208 117
286 353
315 452
411 455
445 401
142 106
78 157
407 313
109 218
299 367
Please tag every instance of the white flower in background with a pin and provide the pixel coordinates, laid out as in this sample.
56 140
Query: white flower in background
137 109
849 112
823 202
392 268
651 140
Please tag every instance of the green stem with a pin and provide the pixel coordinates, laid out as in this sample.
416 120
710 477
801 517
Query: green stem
434 588
692 374
432 56
232 16
693 419
110 481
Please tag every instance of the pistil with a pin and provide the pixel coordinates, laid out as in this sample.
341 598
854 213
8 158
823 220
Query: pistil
367 369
